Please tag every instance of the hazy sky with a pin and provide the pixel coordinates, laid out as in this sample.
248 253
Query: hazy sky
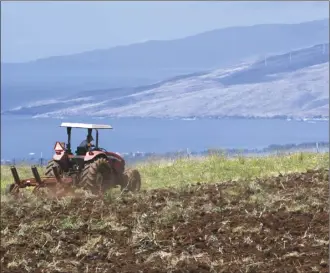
31 30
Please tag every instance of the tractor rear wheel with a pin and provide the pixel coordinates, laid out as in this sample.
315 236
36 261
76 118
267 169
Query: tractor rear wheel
97 176
131 181
49 169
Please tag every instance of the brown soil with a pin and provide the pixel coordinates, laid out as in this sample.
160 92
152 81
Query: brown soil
272 225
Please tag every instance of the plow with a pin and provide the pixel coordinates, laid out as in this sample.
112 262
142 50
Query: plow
90 168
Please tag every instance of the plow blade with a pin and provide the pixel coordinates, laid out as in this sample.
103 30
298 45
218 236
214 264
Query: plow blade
38 182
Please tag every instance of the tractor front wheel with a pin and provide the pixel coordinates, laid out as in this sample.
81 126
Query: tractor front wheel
97 176
49 169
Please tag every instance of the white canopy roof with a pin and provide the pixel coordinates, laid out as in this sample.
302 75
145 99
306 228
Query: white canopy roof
85 125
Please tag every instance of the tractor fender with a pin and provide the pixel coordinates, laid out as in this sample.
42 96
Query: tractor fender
114 160
93 154
115 156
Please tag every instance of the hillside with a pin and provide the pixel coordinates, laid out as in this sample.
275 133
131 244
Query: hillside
293 84
152 61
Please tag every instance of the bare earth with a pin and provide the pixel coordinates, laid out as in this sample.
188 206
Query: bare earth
277 224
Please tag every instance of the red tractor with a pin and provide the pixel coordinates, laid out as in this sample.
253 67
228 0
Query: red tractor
90 167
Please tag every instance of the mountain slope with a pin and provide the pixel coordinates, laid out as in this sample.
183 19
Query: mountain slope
145 63
294 84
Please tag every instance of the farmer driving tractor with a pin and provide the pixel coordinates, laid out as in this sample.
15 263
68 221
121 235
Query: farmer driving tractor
87 142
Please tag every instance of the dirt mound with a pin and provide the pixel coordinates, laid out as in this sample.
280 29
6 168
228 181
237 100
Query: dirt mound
278 224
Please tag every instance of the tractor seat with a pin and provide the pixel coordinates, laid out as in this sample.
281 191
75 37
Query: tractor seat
81 151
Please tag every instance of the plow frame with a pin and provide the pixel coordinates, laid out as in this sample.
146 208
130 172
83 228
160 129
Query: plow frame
39 182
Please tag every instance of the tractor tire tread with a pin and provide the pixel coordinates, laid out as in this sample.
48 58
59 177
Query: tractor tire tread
88 177
49 168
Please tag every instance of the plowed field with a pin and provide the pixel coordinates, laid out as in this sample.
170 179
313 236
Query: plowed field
276 224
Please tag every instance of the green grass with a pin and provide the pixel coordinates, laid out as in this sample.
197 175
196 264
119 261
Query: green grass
213 168
217 168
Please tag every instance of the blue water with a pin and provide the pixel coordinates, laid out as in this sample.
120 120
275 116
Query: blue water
23 135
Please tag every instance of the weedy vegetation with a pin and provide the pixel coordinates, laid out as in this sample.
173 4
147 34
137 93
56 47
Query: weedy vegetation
212 214
211 169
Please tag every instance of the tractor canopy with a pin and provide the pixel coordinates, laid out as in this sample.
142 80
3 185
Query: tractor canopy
85 125
89 127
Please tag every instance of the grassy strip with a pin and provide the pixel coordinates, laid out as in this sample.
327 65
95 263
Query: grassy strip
214 168
217 168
